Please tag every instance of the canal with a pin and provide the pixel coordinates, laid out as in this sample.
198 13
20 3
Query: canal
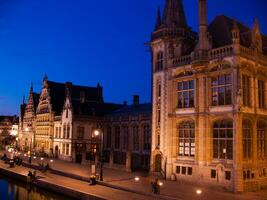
15 190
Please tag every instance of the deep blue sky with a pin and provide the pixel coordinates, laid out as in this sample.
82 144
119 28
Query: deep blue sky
90 41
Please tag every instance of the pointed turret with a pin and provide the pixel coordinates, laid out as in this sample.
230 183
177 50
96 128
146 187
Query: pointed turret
174 15
235 33
256 36
158 21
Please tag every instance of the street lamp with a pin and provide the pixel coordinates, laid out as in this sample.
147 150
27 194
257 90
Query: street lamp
98 133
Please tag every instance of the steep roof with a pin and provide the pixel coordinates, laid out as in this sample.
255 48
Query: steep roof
145 108
221 31
173 14
57 95
97 109
58 92
36 97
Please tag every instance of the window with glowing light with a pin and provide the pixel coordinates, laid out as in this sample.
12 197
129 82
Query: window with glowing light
186 94
247 139
223 139
262 140
186 139
246 90
221 90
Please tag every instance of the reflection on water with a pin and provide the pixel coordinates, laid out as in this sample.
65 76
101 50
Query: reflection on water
11 190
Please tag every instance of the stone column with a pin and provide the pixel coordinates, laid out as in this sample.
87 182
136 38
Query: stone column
111 155
128 161
237 154
202 121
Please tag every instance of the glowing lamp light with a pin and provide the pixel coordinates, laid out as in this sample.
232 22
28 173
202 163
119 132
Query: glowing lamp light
198 191
137 178
160 183
51 161
34 157
42 158
96 132
26 129
25 155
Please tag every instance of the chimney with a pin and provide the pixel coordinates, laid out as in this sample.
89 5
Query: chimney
136 100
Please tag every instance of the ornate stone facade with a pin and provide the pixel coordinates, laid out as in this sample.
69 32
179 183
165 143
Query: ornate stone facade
209 121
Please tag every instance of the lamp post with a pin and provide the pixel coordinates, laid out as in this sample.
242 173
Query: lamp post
98 133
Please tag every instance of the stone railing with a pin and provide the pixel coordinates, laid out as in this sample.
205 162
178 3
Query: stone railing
184 60
247 52
221 52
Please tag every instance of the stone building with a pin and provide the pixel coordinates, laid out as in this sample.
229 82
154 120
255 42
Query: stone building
127 137
209 100
54 104
27 121
8 127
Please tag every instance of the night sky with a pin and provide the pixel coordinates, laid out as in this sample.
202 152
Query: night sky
90 41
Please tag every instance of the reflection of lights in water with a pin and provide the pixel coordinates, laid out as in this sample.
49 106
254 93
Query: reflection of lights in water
137 178
199 191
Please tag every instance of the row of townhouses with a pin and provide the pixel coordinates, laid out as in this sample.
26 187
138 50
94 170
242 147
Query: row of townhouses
8 127
208 121
60 122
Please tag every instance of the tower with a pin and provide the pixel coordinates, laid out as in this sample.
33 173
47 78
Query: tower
171 38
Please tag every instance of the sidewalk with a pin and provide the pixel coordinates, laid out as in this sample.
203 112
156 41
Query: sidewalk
176 190
172 190
95 192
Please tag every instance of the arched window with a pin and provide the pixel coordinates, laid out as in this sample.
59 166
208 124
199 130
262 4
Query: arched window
160 59
223 139
262 140
247 139
186 139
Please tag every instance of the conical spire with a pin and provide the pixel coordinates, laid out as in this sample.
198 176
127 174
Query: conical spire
174 14
31 88
158 21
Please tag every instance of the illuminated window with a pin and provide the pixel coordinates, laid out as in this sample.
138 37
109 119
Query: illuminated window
160 61
261 140
247 139
221 89
186 140
261 93
223 140
186 94
246 90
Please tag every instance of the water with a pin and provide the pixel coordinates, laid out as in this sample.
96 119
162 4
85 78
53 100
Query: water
14 190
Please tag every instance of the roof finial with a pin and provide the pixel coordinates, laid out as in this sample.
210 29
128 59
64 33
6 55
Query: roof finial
45 77
31 88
